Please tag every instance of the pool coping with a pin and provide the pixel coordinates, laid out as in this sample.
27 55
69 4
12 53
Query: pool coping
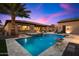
15 49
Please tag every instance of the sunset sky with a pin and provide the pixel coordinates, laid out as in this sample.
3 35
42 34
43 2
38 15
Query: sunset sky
48 13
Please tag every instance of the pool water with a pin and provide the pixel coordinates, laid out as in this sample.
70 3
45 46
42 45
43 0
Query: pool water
38 43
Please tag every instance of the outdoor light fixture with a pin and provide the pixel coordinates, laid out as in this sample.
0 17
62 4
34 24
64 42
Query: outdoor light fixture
68 32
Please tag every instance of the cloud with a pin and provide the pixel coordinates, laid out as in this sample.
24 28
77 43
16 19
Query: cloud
53 16
50 17
57 14
47 19
69 7
66 6
42 20
68 10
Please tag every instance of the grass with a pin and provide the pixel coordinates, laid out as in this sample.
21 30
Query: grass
3 48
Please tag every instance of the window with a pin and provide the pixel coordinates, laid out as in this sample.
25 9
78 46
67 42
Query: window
24 28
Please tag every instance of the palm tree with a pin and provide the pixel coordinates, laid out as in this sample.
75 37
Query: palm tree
14 9
0 22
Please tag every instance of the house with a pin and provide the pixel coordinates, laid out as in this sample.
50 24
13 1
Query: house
27 27
1 27
69 26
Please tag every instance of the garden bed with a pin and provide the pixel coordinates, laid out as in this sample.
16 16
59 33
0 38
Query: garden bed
3 48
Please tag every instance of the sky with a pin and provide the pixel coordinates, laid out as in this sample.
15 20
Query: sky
48 13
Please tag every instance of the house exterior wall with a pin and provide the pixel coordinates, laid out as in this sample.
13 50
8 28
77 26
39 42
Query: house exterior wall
22 27
7 29
27 28
71 27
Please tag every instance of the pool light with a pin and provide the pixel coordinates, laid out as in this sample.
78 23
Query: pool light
25 40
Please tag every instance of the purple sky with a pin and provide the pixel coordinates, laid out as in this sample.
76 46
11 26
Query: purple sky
48 13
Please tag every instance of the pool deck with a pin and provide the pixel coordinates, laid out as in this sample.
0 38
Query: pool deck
15 49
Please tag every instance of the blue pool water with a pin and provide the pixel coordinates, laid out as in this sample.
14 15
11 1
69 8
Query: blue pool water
38 43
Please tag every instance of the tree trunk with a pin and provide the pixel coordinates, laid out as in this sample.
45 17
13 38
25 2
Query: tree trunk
13 24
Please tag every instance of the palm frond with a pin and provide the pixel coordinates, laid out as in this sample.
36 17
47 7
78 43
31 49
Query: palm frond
17 8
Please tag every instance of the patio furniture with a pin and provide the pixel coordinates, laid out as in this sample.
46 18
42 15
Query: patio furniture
72 49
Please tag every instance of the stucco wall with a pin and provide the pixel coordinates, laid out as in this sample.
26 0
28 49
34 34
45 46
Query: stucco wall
74 26
7 29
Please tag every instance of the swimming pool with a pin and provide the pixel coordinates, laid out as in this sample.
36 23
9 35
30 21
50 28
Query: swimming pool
38 43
